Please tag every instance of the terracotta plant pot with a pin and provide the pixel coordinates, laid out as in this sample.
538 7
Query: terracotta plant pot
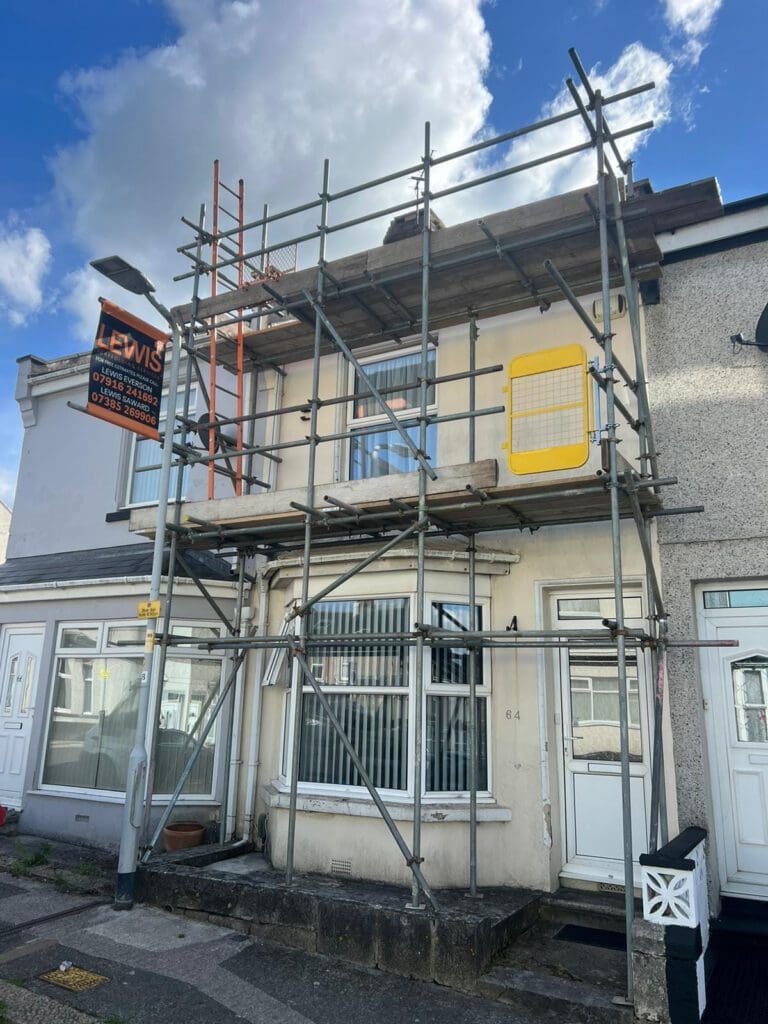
183 835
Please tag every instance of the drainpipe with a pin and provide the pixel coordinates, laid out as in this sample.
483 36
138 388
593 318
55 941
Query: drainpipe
254 725
229 807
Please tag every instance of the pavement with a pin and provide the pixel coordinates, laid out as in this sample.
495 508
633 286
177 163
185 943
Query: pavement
158 967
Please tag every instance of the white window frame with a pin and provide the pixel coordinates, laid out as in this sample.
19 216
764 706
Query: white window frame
381 418
101 651
458 690
136 438
428 690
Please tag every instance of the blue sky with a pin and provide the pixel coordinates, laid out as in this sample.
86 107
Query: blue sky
115 111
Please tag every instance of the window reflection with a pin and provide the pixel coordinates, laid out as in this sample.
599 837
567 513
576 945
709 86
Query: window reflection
594 694
750 698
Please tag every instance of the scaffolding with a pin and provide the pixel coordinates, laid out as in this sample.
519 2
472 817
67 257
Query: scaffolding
262 315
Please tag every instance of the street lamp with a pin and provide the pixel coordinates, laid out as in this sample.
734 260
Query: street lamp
122 273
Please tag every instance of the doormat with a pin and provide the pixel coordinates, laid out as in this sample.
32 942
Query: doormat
601 937
75 979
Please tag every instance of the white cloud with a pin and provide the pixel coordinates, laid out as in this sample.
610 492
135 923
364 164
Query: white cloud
636 65
691 19
270 89
25 255
271 95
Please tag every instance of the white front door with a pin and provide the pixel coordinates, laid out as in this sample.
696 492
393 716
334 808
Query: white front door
19 668
590 758
735 686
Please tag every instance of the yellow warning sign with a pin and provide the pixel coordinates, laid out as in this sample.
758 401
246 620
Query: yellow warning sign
149 610
76 979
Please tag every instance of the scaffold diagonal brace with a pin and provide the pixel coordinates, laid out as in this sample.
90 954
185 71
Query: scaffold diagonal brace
359 369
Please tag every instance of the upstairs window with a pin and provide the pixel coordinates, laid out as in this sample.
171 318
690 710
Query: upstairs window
144 470
377 448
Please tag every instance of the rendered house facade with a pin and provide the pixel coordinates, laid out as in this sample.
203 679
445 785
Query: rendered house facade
72 645
549 787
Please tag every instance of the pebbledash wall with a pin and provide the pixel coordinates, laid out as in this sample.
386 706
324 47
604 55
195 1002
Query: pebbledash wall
709 402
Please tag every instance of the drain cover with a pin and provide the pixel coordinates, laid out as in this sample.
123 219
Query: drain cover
75 979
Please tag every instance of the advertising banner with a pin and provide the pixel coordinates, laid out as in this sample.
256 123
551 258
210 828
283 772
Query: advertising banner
125 381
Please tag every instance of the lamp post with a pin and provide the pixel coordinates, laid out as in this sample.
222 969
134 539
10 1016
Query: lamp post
122 273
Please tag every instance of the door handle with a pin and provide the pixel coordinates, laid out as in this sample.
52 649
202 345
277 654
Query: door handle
572 738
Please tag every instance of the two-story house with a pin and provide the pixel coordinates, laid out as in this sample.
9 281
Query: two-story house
72 645
526 472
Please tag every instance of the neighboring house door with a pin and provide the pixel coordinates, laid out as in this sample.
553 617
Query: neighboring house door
590 747
19 669
735 689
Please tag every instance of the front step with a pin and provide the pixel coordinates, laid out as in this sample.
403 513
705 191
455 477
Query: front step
550 998
558 972
582 906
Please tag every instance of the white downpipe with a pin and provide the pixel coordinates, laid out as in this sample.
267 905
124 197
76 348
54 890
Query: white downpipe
236 747
254 726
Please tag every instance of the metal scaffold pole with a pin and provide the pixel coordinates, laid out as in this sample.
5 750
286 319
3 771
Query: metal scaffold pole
418 689
618 581
298 673
472 624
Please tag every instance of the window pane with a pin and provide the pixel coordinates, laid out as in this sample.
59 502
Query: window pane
400 372
126 636
375 665
94 722
145 483
10 682
447 751
597 608
595 713
376 725
90 749
451 664
29 675
736 599
195 632
384 452
750 698
190 691
75 637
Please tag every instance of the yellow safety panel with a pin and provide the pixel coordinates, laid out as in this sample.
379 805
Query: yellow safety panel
148 610
548 413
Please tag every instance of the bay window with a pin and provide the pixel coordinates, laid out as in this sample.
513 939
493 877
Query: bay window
376 447
91 729
371 692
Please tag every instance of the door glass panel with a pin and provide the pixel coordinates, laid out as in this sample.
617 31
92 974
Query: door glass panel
29 675
594 696
13 669
750 698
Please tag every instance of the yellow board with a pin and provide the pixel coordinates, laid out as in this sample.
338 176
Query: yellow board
76 979
148 610
548 414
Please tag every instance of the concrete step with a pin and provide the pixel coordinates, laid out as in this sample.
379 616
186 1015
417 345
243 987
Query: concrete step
556 973
550 998
586 907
